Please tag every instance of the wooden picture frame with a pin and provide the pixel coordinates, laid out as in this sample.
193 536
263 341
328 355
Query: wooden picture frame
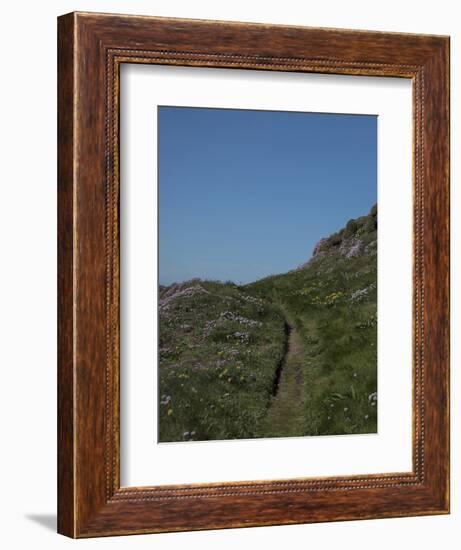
92 47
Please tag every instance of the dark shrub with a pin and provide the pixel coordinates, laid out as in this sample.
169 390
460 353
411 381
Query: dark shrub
370 225
350 229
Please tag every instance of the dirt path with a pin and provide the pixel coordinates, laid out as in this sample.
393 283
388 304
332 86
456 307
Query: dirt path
286 412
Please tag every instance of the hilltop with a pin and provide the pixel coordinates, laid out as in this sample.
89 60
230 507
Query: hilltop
291 354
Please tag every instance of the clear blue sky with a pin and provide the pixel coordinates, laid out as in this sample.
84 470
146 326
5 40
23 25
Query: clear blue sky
245 194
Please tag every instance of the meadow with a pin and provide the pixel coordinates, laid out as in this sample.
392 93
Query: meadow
289 355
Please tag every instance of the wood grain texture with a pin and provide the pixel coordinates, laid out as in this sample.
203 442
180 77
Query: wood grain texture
66 471
91 49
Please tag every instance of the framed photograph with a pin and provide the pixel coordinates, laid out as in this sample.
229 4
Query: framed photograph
253 275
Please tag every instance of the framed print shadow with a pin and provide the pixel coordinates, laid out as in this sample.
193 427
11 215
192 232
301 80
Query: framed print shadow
253 286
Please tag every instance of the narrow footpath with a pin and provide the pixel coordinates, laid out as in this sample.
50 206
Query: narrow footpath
286 413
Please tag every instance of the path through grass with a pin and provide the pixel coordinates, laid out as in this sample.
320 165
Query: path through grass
285 416
288 355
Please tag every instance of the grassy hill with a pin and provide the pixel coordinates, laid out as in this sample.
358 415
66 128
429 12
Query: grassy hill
219 350
289 355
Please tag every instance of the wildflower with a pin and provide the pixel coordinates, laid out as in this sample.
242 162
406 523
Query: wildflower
165 399
170 412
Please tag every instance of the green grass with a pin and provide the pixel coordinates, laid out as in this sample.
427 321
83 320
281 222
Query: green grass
332 304
219 351
229 368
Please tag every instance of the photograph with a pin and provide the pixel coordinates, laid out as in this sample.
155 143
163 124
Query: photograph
267 272
209 339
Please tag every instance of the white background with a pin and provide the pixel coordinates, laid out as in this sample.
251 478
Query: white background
145 462
28 273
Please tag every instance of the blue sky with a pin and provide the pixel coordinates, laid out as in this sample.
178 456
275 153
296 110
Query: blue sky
245 194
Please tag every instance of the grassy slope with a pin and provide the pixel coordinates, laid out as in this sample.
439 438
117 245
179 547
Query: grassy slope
221 348
332 303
